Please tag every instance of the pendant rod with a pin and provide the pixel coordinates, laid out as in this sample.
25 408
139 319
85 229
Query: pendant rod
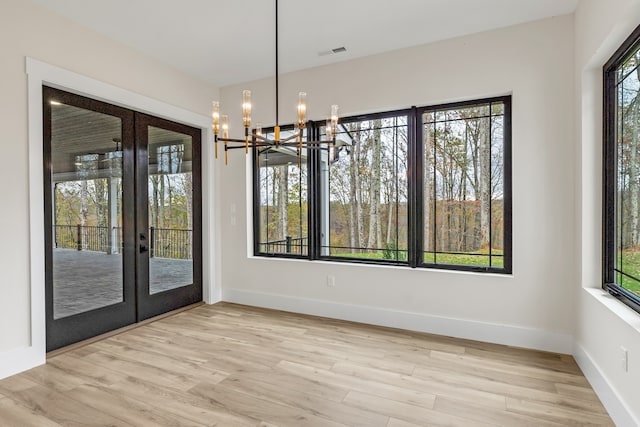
277 89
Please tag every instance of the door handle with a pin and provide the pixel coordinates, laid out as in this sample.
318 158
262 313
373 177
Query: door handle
143 245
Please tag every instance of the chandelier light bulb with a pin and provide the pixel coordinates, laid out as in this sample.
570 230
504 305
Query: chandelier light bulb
334 113
215 115
329 129
225 126
302 109
246 108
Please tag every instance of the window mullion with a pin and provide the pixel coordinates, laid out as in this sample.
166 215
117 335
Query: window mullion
314 189
507 253
415 202
491 186
256 202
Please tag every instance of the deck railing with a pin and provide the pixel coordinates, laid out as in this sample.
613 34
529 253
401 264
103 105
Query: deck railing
170 243
163 242
288 245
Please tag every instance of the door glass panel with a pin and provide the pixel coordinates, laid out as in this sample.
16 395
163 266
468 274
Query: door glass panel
170 210
86 156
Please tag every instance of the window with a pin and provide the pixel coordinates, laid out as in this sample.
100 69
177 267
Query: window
424 187
366 198
622 172
281 200
465 196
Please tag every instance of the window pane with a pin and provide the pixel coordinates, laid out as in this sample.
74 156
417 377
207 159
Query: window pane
497 187
86 179
628 176
628 67
428 179
463 201
366 191
283 200
170 185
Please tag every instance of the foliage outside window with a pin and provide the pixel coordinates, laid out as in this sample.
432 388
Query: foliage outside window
367 191
463 194
282 198
622 172
425 187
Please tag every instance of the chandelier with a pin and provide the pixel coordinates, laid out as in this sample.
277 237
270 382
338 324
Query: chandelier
257 140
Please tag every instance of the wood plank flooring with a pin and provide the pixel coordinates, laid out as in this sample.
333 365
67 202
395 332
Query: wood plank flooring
231 365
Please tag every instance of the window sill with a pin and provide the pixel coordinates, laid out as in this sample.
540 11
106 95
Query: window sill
618 308
432 270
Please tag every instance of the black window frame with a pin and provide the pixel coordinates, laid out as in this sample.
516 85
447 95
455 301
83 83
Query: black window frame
610 170
414 182
507 180
317 189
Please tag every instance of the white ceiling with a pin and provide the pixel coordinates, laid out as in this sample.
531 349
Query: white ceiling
232 41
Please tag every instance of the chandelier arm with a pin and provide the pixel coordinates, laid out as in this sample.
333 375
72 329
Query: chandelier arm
290 144
312 145
242 141
269 144
251 145
234 147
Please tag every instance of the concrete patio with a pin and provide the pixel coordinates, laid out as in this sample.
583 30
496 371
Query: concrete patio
86 280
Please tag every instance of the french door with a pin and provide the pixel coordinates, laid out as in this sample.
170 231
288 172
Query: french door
123 216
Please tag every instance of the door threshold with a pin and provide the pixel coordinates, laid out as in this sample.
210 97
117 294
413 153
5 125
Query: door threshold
79 344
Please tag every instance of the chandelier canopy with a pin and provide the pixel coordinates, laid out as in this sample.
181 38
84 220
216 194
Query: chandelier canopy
256 139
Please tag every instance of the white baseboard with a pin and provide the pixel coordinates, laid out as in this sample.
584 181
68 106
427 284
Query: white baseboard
15 361
618 411
460 328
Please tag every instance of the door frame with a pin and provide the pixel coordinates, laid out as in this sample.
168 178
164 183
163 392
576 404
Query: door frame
33 353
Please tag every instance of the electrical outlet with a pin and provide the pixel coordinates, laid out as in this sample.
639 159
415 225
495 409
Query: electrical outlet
624 359
331 281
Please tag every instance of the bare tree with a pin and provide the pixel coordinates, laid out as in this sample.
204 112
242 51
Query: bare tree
634 185
283 201
485 181
428 189
375 230
355 208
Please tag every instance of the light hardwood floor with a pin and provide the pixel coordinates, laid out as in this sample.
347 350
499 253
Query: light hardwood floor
231 365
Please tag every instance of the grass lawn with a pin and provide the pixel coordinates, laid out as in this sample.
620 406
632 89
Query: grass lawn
466 259
402 255
458 259
630 260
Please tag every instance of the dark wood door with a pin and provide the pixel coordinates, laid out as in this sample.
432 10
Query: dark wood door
169 215
117 253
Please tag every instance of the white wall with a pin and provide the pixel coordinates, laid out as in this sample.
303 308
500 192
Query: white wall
30 30
603 323
532 308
